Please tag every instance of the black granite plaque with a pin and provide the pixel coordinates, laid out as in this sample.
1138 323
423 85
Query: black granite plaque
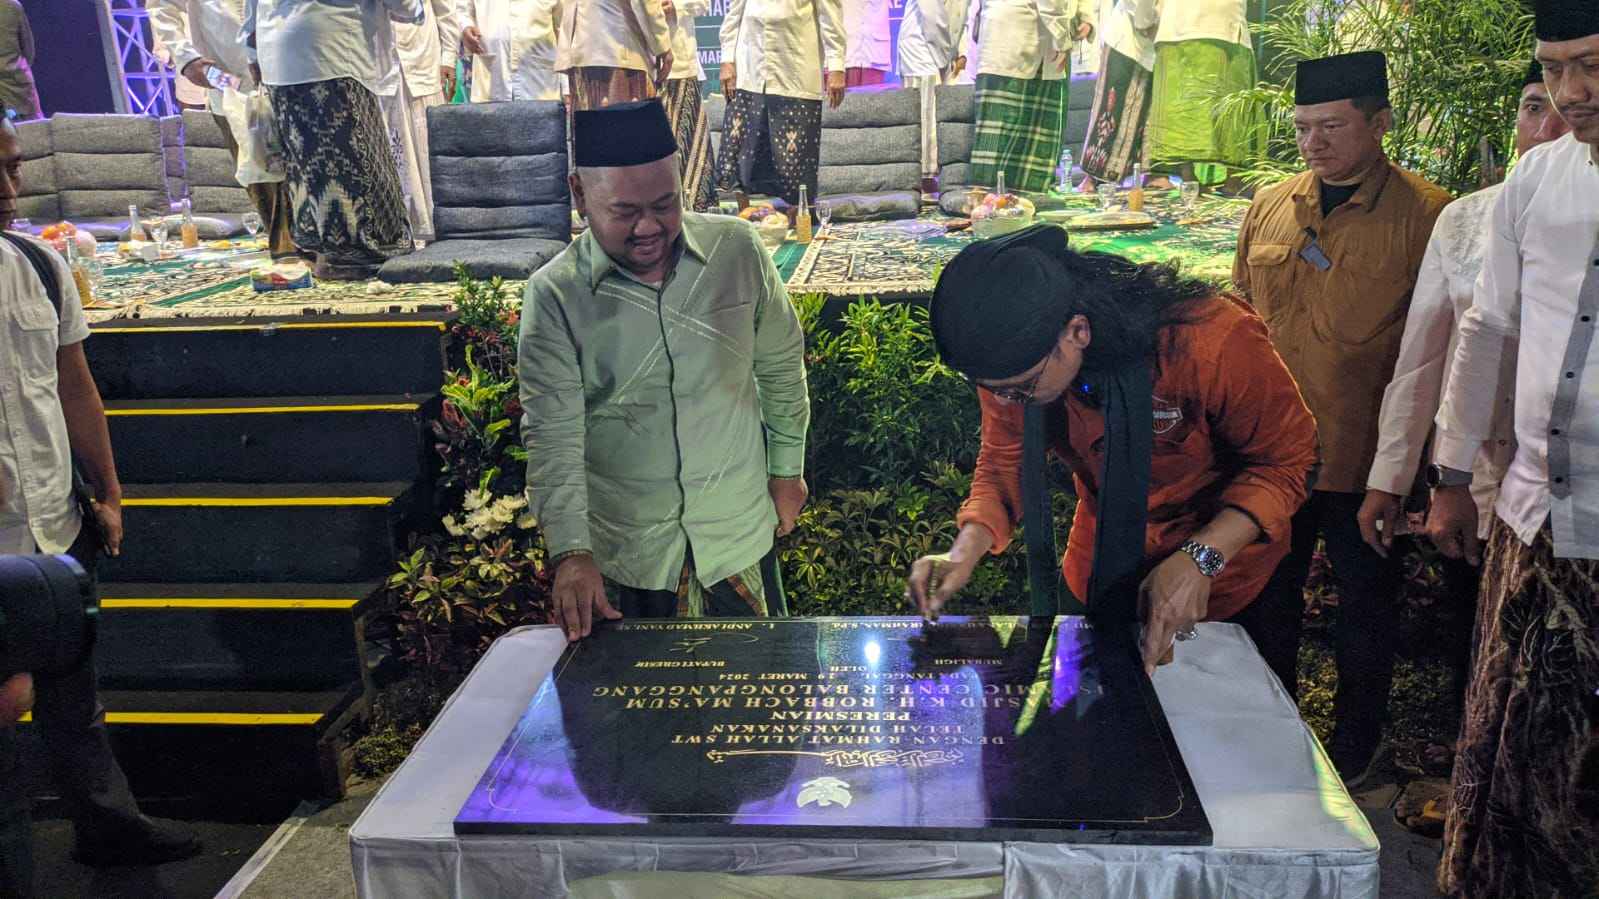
1003 728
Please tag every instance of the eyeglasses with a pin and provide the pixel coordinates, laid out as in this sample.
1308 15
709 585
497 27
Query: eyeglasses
1016 393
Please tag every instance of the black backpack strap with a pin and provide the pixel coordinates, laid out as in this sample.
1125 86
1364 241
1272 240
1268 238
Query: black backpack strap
41 266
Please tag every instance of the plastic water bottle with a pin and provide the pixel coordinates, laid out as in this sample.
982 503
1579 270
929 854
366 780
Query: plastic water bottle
220 80
1064 171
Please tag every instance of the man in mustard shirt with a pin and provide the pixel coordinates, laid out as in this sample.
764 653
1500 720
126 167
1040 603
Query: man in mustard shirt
1329 258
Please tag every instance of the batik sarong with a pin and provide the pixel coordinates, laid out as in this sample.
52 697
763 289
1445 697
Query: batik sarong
1116 127
778 144
1186 121
695 160
756 590
1524 811
1019 131
339 165
596 87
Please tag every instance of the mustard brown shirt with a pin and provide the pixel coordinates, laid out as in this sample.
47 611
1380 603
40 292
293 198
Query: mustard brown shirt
1339 330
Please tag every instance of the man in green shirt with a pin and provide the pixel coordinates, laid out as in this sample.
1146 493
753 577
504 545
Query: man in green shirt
663 377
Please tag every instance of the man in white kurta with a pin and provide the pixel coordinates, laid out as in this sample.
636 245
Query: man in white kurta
868 46
427 67
932 36
774 54
1022 87
1443 294
512 43
613 51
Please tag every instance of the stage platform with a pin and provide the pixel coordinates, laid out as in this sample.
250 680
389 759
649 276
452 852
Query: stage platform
892 260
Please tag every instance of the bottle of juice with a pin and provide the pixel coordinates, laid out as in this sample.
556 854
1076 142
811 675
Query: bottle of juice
135 230
191 231
1135 195
802 219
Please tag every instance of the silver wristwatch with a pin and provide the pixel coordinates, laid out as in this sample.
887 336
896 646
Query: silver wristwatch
1441 476
1209 559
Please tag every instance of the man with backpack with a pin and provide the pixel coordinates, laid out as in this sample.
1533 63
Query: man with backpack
50 412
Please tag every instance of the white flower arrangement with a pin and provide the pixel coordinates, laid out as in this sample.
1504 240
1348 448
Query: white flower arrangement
487 515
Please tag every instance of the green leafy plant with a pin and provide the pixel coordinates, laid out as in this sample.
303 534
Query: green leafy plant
1454 71
883 407
478 432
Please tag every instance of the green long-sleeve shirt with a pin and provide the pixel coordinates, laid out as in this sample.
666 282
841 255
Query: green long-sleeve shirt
654 416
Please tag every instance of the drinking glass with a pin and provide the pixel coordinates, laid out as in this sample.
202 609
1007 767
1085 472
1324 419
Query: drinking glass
252 223
22 226
824 213
1107 196
1190 194
154 223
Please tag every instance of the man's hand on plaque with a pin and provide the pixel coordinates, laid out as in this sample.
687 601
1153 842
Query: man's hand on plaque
788 496
934 581
580 596
1171 599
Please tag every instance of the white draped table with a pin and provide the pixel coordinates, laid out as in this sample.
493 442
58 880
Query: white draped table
1284 825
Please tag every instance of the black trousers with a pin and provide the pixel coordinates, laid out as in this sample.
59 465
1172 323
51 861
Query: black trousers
71 723
1364 634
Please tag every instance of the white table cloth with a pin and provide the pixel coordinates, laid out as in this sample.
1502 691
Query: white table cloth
1284 824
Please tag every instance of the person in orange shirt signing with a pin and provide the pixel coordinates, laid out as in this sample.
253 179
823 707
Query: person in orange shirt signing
1188 442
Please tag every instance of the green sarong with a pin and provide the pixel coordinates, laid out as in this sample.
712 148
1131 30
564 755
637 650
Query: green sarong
1019 131
1185 120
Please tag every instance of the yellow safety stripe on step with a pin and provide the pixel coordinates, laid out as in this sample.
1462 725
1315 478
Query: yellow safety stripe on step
255 502
279 326
244 604
262 410
231 719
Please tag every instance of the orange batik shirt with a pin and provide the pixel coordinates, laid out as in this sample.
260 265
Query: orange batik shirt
1230 430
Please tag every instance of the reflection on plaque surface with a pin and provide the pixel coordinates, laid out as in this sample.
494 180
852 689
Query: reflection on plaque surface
971 728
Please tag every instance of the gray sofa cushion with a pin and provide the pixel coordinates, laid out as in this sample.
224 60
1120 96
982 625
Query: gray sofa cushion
872 145
957 114
172 151
871 142
513 258
499 171
104 163
874 207
36 199
716 115
213 188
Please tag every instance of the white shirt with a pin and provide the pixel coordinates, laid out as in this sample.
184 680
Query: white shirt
1128 27
1193 20
930 36
519 36
306 41
190 29
685 44
781 46
1019 38
867 44
1443 294
620 34
428 47
36 504
1540 283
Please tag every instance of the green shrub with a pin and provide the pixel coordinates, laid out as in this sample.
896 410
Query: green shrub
883 407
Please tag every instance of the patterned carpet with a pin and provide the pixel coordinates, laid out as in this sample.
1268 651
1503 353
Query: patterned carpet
902 258
216 282
890 259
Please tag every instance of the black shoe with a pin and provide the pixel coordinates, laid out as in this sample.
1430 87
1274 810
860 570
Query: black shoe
155 843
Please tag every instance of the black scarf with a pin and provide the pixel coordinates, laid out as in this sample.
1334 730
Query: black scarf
1128 403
